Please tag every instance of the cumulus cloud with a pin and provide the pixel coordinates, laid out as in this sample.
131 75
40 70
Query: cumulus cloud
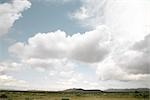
129 24
10 12
59 54
115 13
128 20
89 47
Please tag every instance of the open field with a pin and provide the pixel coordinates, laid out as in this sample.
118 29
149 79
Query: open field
41 95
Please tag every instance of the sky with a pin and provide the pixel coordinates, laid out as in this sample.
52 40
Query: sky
61 44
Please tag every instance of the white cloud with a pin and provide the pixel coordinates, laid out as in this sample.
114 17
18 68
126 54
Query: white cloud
109 70
91 13
59 54
60 75
52 1
9 66
54 66
11 82
127 18
81 15
7 80
129 23
89 47
10 12
56 72
136 59
130 64
135 62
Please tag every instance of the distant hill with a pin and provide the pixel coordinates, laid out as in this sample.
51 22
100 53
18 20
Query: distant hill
81 90
129 90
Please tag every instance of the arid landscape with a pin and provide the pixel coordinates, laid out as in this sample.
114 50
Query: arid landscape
77 94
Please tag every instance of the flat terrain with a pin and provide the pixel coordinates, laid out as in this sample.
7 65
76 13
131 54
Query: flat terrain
45 95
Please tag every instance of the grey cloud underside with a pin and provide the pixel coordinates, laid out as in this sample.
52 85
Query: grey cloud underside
139 59
143 45
131 64
142 62
90 54
138 65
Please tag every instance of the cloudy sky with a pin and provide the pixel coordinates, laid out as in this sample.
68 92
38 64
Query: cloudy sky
60 44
